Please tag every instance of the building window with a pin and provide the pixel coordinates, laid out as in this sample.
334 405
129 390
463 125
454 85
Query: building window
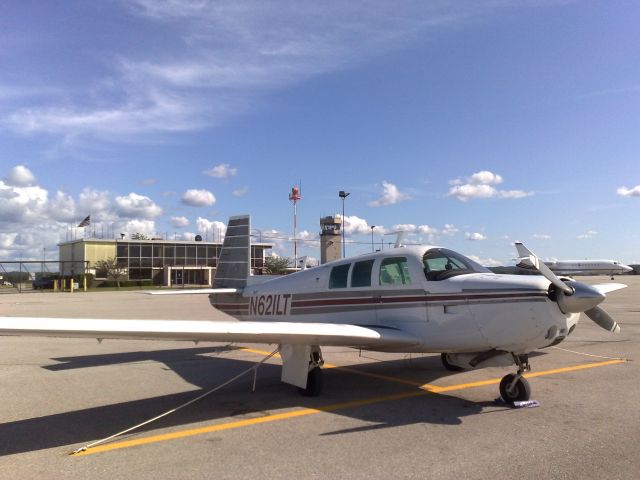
134 250
122 251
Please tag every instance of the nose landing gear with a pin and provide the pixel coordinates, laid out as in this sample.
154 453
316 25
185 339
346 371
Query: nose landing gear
514 387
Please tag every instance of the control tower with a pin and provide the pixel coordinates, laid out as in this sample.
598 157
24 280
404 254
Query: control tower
330 238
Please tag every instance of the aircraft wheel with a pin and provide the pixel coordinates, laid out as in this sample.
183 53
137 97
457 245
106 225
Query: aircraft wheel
314 383
449 366
521 390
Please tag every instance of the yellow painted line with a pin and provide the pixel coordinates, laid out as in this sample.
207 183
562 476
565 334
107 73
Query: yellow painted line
493 381
245 423
424 390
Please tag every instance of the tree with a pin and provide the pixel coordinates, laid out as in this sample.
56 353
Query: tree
276 265
139 236
109 268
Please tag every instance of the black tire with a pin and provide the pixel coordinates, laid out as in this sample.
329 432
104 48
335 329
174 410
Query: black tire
314 383
521 390
449 366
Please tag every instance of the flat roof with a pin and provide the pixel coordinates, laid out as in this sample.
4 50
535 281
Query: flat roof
152 241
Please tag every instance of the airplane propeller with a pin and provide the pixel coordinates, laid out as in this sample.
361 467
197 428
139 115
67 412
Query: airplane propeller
578 297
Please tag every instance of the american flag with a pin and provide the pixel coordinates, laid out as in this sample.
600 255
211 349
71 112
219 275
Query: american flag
86 222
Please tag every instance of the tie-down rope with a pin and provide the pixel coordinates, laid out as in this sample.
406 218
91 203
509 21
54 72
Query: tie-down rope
253 368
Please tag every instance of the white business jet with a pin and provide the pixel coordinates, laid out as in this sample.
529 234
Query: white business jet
574 267
406 299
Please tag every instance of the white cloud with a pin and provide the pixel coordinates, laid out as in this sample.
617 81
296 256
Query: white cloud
211 229
513 194
541 236
469 191
404 227
219 59
134 205
390 195
179 222
629 192
475 236
145 227
585 236
20 176
224 170
486 262
240 192
63 207
354 225
198 198
485 177
449 230
96 203
427 230
24 204
482 185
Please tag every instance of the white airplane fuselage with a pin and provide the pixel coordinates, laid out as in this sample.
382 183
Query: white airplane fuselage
473 312
588 267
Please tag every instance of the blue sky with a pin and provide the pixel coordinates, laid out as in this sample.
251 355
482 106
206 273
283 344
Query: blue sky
469 124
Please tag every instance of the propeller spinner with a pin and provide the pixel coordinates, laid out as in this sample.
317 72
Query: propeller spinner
578 297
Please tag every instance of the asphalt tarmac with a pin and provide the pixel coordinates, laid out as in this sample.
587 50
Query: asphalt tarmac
372 421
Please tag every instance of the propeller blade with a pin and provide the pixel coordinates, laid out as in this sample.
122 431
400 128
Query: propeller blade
544 270
603 319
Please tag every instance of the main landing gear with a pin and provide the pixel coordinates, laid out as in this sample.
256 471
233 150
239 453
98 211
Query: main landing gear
444 358
514 387
314 377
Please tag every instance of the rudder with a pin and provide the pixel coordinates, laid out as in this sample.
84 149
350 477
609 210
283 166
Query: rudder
234 262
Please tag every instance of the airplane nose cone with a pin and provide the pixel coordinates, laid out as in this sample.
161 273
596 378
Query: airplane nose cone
584 298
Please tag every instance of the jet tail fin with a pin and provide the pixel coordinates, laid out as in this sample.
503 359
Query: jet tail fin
234 262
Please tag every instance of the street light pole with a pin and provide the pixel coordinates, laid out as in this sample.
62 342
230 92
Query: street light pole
342 194
372 227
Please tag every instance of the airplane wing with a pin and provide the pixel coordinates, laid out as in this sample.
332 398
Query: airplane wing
608 287
197 291
293 333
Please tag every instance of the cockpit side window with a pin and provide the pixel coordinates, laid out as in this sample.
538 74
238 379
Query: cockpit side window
394 271
338 276
441 263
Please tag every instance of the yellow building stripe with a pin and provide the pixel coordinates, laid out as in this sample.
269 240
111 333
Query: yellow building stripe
424 390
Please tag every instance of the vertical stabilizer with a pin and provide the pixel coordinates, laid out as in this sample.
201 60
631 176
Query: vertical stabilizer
234 263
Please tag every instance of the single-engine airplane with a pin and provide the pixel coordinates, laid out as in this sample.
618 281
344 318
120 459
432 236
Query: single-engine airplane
406 299
574 267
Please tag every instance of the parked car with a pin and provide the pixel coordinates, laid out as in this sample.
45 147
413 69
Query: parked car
43 283
4 283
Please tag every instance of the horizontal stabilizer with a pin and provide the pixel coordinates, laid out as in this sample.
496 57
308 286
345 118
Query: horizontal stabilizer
223 331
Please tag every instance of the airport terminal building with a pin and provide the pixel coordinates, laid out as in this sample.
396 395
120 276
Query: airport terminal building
165 262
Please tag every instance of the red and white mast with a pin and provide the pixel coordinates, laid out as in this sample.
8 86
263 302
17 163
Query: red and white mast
294 196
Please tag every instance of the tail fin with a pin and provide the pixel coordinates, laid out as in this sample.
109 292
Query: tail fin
522 250
524 259
234 263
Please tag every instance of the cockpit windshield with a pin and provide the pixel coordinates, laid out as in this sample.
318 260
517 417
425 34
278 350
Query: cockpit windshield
441 263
